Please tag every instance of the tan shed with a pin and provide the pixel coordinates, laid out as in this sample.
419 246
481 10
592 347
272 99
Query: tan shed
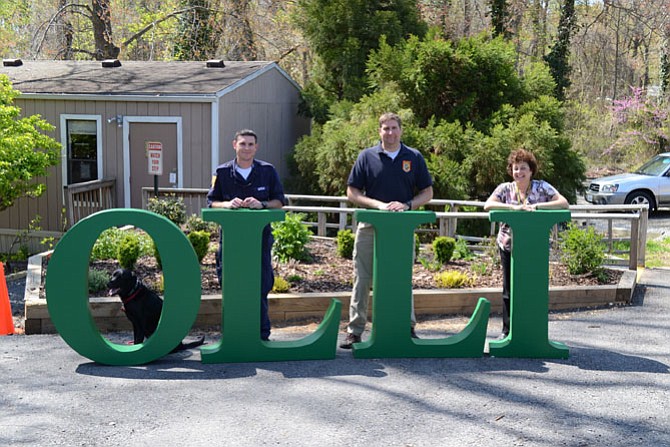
110 115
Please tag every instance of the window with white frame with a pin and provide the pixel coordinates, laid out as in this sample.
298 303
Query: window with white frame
82 150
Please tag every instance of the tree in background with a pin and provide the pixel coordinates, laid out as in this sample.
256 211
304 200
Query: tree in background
560 51
343 32
25 152
197 32
239 38
499 18
463 106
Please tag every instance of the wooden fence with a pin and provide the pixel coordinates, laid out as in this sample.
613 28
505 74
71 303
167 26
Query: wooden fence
327 220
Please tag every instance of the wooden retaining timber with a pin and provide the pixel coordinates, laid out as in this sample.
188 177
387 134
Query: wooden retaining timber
295 307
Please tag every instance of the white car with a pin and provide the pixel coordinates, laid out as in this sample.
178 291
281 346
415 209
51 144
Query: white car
650 184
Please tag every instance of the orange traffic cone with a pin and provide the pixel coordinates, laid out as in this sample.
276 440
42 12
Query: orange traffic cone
6 320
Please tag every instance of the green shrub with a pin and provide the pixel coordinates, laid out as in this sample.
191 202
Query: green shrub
443 247
461 250
129 250
171 207
453 279
291 236
195 223
482 268
200 242
97 280
582 251
281 285
107 244
432 266
345 243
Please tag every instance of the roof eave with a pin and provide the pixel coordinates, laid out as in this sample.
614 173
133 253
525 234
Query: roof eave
119 98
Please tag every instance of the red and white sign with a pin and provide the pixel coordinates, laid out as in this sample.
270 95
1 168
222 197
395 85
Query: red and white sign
155 157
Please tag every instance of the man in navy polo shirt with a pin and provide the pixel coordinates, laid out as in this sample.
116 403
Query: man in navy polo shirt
390 177
246 182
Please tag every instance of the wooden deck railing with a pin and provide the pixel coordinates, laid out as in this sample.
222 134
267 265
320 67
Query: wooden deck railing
84 199
341 217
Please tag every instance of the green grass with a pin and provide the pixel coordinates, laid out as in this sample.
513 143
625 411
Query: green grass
658 253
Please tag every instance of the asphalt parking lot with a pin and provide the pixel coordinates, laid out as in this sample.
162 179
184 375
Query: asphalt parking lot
611 391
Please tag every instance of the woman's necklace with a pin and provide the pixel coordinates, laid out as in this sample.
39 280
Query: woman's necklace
519 200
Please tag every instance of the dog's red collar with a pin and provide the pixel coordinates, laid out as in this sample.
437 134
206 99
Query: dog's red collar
134 294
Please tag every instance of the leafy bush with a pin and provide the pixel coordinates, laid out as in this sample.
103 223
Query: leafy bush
200 242
461 251
582 250
281 285
171 207
345 243
433 266
453 279
195 223
129 250
291 236
443 247
107 244
97 280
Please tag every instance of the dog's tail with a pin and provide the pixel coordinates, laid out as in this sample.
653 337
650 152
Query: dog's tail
194 344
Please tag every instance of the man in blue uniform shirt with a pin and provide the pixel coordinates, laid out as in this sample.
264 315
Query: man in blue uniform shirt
246 182
390 177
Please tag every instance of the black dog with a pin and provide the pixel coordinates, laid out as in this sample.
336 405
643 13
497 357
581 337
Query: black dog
142 306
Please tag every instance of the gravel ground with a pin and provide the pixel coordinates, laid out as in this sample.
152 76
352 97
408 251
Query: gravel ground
612 391
16 288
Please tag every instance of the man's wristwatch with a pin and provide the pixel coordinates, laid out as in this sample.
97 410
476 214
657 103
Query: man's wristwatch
409 205
264 204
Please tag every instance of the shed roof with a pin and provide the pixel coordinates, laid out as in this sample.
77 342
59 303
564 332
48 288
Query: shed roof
131 78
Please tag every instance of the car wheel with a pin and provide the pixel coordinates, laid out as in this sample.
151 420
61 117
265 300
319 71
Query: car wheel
641 198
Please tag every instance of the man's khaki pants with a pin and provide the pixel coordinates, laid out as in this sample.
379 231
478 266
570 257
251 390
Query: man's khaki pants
360 295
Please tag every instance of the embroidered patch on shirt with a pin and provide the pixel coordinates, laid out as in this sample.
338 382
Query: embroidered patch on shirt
406 165
261 188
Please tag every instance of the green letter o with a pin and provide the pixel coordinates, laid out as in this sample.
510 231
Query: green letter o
67 288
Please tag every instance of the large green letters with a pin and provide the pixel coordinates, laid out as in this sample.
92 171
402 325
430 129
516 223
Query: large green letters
68 303
241 291
392 296
67 288
529 287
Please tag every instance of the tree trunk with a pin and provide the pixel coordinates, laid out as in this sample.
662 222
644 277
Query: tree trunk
499 18
65 34
558 56
102 30
665 61
242 45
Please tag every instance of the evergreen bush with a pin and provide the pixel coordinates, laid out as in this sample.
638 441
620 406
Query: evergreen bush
443 247
200 242
129 250
345 243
